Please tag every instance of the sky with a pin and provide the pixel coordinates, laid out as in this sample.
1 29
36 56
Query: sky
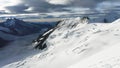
59 6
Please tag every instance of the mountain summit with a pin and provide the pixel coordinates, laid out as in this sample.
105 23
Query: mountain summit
12 22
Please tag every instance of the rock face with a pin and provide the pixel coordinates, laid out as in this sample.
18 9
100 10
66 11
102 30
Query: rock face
40 43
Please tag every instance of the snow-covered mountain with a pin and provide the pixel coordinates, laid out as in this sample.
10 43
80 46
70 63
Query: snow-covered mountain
18 27
73 44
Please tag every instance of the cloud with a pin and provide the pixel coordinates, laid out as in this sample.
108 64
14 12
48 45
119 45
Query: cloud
108 6
5 3
47 6
20 8
58 5
42 6
59 2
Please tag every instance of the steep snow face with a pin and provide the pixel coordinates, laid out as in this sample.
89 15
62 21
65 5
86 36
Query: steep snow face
40 42
73 43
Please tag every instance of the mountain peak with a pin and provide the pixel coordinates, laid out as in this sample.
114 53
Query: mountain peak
15 19
12 22
73 22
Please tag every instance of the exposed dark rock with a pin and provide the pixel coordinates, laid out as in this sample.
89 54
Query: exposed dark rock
42 38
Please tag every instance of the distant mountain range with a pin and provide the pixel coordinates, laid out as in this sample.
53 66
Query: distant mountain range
18 27
13 28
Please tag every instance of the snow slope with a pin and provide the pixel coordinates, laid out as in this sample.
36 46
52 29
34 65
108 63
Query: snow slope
76 44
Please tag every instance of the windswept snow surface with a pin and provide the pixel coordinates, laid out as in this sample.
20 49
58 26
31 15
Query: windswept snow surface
75 44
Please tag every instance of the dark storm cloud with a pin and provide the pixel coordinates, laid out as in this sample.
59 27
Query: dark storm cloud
17 9
89 3
44 6
86 3
36 5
